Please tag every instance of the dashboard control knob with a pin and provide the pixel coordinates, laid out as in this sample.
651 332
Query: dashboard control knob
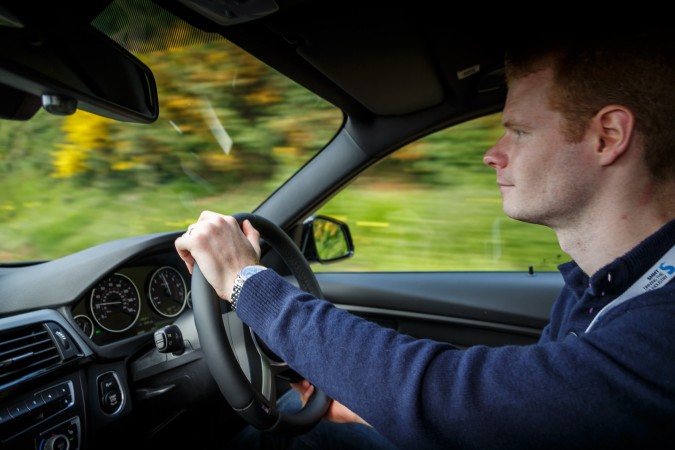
57 442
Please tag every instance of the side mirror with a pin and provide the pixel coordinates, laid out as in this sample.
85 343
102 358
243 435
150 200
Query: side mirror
326 240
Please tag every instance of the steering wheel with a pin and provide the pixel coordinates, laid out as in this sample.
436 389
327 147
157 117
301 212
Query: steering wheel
242 366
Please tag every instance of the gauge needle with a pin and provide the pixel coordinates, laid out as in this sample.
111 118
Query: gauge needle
167 289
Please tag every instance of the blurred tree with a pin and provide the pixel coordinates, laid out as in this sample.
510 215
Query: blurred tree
84 134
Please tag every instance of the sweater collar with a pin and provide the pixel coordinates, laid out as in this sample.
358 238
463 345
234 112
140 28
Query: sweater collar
617 276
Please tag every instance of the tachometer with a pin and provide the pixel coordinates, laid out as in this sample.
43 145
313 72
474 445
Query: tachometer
115 303
167 291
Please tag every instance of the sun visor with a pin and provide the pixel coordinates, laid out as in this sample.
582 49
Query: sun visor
370 67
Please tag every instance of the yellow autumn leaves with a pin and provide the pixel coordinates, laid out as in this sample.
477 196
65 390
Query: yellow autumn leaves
84 133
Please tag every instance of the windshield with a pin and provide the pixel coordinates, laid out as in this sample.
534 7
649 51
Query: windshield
230 131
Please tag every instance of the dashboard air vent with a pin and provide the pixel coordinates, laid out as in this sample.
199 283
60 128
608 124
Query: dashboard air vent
25 352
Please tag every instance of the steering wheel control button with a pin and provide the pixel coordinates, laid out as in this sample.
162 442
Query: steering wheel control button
111 395
169 339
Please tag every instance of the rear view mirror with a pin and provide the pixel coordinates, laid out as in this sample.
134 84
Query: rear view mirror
68 66
325 240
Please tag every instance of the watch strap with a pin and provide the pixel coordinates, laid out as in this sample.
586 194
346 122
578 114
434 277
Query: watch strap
239 281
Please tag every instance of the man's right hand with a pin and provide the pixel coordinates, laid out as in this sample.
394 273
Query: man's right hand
221 247
337 412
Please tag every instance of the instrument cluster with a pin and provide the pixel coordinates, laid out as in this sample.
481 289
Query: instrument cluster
132 301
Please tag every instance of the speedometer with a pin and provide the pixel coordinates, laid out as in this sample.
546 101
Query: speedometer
115 303
167 291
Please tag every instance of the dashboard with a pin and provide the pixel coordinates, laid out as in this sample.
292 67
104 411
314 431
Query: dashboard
70 329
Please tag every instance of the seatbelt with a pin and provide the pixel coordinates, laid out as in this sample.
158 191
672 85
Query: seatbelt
656 276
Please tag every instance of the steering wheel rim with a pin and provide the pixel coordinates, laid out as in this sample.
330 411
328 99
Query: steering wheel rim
225 364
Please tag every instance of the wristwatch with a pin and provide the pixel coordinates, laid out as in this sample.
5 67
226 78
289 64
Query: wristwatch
243 275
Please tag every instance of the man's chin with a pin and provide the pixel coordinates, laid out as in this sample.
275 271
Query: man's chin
521 216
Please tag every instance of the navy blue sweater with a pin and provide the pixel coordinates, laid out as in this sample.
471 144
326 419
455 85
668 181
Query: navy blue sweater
613 386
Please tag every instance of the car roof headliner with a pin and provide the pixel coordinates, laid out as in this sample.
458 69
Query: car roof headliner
374 60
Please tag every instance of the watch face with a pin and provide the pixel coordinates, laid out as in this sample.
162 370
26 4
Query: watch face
249 271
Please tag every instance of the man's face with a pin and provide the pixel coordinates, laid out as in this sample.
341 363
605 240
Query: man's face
542 177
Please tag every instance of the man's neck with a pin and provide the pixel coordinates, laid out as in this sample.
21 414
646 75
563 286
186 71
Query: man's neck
605 235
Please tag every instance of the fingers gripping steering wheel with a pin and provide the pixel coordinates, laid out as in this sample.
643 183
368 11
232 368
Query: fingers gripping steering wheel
244 371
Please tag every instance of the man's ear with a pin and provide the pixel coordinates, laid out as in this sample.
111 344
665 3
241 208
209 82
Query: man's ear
615 126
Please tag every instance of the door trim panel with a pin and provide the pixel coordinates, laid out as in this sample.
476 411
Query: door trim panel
464 308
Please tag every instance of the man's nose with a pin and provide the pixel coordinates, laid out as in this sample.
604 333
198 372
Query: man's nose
494 157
